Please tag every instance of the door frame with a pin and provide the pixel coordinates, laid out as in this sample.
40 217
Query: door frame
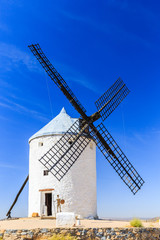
42 202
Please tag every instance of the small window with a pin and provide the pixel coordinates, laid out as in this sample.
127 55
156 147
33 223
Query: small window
40 144
45 172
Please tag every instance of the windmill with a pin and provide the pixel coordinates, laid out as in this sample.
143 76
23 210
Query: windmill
61 156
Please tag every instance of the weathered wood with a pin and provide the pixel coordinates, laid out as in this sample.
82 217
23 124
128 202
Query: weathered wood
16 198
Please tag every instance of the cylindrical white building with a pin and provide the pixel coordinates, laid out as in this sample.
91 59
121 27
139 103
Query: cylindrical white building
77 187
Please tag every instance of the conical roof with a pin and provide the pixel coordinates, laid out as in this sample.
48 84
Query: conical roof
58 125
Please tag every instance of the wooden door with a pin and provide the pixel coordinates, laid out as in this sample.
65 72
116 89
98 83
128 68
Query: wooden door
48 203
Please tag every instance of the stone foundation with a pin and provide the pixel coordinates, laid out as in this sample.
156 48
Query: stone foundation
84 234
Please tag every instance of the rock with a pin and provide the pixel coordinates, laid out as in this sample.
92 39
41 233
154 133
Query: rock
90 218
65 219
44 230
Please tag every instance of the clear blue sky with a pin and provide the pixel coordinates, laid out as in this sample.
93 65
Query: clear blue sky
91 43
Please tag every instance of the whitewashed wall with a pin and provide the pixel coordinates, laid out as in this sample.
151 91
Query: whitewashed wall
77 188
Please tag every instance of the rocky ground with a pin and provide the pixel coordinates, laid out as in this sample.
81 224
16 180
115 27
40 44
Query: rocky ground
83 234
43 229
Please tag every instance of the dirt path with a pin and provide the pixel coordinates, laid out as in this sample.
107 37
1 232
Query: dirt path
32 223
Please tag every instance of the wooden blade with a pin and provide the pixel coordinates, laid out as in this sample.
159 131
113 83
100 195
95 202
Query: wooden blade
117 159
110 100
17 196
57 78
60 158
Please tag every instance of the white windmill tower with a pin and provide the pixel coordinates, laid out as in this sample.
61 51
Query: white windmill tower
77 187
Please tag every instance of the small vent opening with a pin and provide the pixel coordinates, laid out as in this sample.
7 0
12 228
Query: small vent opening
40 144
45 172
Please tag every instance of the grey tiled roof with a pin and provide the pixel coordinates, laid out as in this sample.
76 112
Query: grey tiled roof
58 125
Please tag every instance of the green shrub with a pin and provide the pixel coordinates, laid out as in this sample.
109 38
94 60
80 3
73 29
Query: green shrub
136 222
62 237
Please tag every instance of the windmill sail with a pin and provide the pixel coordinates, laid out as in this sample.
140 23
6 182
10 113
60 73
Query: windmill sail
119 162
57 78
110 100
60 158
63 155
